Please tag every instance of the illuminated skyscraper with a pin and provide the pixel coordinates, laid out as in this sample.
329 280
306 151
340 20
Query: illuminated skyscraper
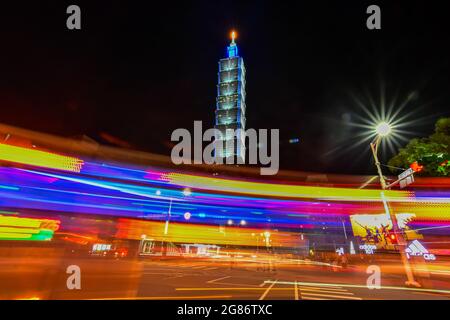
230 103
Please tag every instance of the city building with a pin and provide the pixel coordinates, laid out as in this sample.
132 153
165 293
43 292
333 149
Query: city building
230 104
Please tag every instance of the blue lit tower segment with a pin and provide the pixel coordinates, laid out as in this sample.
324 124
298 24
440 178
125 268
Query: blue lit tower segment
230 103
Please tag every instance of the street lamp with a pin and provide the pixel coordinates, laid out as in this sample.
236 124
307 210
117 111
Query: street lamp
384 129
187 192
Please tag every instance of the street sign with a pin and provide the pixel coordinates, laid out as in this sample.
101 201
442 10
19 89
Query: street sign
406 177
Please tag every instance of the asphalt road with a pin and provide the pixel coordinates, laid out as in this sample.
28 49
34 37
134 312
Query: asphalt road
192 278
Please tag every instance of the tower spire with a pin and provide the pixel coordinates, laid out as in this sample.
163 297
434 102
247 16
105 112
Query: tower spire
233 36
232 48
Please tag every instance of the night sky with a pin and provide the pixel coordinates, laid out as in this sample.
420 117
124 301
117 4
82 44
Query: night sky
138 70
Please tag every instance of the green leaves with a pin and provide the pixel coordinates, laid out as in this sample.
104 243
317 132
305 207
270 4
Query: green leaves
432 152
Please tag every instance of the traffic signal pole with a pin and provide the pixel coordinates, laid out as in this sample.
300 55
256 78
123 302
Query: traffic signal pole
397 231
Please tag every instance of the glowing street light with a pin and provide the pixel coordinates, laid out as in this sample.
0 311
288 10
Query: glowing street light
230 222
383 129
187 215
243 222
187 192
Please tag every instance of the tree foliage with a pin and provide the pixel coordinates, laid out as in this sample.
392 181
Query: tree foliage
432 152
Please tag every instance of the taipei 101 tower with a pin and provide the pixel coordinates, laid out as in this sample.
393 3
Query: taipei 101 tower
230 104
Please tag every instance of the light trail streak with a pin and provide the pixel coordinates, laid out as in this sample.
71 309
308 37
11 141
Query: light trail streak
121 191
280 190
39 158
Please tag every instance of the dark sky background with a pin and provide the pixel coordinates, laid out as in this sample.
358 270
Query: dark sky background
137 70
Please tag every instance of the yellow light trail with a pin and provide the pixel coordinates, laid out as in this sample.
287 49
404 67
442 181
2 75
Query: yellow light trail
196 233
282 190
39 158
18 228
20 222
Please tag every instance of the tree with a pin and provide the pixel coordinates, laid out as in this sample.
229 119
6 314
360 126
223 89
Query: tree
432 152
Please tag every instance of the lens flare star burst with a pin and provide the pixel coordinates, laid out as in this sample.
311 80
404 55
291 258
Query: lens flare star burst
389 120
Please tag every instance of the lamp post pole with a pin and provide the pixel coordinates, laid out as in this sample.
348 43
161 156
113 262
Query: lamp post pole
186 193
166 230
400 239
374 146
166 226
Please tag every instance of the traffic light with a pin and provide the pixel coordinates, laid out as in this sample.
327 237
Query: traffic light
416 166
393 238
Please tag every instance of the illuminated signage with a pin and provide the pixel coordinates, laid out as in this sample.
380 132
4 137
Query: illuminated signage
416 249
376 229
101 247
368 248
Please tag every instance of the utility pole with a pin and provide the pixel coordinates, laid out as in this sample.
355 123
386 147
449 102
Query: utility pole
383 130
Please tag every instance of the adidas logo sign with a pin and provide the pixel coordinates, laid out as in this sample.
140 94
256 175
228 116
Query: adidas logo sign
416 249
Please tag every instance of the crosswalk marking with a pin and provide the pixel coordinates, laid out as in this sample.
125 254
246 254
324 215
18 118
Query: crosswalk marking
330 290
329 296
311 298
327 291
315 292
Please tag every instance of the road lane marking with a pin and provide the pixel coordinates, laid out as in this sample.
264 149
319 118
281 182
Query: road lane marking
161 273
218 279
167 298
321 289
330 296
311 298
320 286
176 276
328 291
363 286
225 289
237 284
241 288
267 291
